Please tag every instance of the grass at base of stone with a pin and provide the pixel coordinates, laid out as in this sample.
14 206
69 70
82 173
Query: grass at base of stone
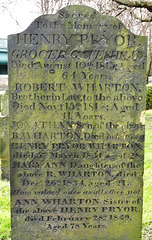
4 210
147 231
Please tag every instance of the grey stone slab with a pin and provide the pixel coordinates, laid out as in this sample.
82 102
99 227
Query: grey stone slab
77 87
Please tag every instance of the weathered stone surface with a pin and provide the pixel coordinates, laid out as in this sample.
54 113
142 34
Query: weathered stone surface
77 100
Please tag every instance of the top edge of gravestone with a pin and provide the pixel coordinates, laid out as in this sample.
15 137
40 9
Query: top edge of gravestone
75 8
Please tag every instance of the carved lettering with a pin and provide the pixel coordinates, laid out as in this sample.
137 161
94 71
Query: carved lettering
77 87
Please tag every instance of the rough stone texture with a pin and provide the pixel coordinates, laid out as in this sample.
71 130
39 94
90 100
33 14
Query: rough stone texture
77 98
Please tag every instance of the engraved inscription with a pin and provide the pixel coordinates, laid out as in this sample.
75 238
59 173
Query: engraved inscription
77 87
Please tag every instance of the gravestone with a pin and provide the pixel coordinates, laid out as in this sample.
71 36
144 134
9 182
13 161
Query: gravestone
77 99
